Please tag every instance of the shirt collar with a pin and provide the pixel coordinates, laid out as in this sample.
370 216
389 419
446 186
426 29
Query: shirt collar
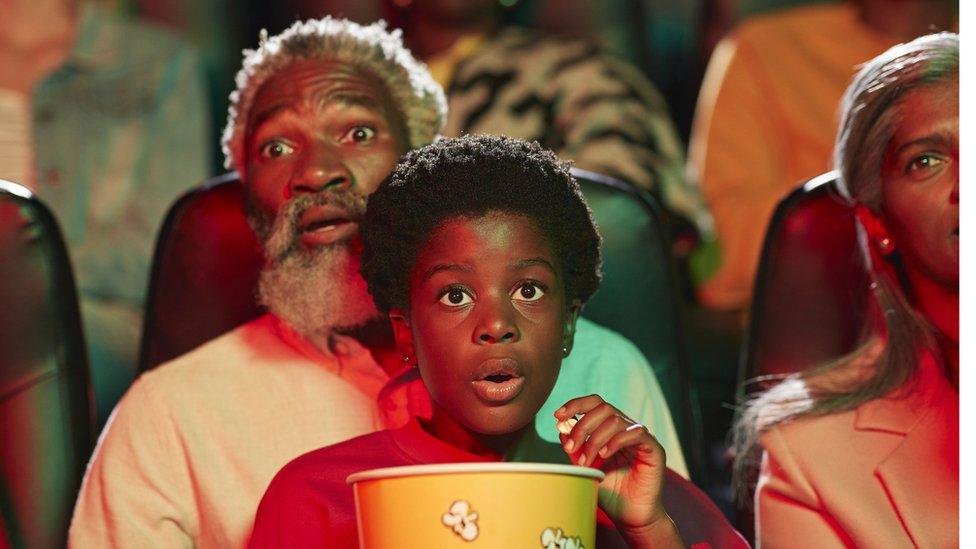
337 346
424 447
97 44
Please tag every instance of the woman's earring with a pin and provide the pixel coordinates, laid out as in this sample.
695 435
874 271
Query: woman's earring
565 352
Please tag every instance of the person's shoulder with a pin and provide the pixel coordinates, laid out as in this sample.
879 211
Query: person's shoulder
811 430
605 362
332 464
806 19
143 55
527 46
227 356
236 343
130 31
596 343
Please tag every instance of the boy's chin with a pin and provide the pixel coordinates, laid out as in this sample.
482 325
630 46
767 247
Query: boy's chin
496 426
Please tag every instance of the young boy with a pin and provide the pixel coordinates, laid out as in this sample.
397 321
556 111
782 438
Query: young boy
483 251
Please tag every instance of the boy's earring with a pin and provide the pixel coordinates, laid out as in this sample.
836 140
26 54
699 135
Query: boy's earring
886 245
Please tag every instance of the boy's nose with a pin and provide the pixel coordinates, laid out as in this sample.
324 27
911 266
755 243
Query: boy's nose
497 327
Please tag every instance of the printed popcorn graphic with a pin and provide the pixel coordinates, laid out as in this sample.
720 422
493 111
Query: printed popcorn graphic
556 540
462 519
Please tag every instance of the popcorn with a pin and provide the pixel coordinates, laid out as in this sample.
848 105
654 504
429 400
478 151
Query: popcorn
566 426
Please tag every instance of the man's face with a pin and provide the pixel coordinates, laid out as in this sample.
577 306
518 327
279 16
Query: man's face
320 138
319 126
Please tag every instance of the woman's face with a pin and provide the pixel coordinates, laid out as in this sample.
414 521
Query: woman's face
488 321
920 182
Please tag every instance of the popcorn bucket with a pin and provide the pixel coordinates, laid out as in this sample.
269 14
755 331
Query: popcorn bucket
477 505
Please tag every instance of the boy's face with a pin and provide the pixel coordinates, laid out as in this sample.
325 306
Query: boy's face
488 321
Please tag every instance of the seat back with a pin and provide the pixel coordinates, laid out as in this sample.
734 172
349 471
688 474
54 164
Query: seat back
207 262
46 416
638 296
698 519
204 272
810 300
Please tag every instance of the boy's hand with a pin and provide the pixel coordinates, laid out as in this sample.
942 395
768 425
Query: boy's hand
631 458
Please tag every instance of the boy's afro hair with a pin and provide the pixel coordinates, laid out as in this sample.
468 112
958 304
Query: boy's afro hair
472 176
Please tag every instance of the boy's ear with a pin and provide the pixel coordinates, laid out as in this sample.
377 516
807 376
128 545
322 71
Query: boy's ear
569 326
403 336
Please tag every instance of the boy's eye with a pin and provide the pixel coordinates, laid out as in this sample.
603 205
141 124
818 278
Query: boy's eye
528 291
455 297
922 163
276 149
359 134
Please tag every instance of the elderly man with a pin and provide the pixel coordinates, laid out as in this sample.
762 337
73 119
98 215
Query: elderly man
321 115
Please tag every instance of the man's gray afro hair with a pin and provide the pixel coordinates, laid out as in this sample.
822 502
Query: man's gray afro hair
371 49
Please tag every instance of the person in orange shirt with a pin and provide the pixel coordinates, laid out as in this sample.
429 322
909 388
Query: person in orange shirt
865 451
767 116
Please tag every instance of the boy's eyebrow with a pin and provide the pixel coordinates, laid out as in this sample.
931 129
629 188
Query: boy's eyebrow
455 267
532 261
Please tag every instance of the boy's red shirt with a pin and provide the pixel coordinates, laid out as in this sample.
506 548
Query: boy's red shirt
309 504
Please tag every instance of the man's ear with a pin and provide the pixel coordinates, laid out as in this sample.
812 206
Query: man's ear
880 240
569 326
403 336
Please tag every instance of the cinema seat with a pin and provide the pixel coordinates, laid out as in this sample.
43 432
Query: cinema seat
207 261
699 521
639 294
204 272
810 300
46 416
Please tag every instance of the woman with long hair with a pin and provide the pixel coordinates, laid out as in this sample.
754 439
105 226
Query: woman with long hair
863 451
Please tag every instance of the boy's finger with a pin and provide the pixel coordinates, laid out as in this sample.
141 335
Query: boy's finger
601 435
587 424
647 446
579 405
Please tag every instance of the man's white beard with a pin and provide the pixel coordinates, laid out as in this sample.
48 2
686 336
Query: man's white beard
316 291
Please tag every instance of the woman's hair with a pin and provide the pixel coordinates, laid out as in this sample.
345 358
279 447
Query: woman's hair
473 176
888 357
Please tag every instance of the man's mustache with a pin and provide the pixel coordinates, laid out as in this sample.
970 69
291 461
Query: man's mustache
282 238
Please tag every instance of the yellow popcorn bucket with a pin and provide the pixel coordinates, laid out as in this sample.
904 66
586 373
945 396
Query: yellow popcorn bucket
477 505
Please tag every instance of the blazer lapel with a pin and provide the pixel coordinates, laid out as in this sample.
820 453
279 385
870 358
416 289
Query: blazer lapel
926 462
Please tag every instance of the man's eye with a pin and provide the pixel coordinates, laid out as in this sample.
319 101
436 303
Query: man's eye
528 291
359 134
276 149
455 297
924 162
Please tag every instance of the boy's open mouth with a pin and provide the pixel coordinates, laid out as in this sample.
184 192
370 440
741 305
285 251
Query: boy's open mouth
498 381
